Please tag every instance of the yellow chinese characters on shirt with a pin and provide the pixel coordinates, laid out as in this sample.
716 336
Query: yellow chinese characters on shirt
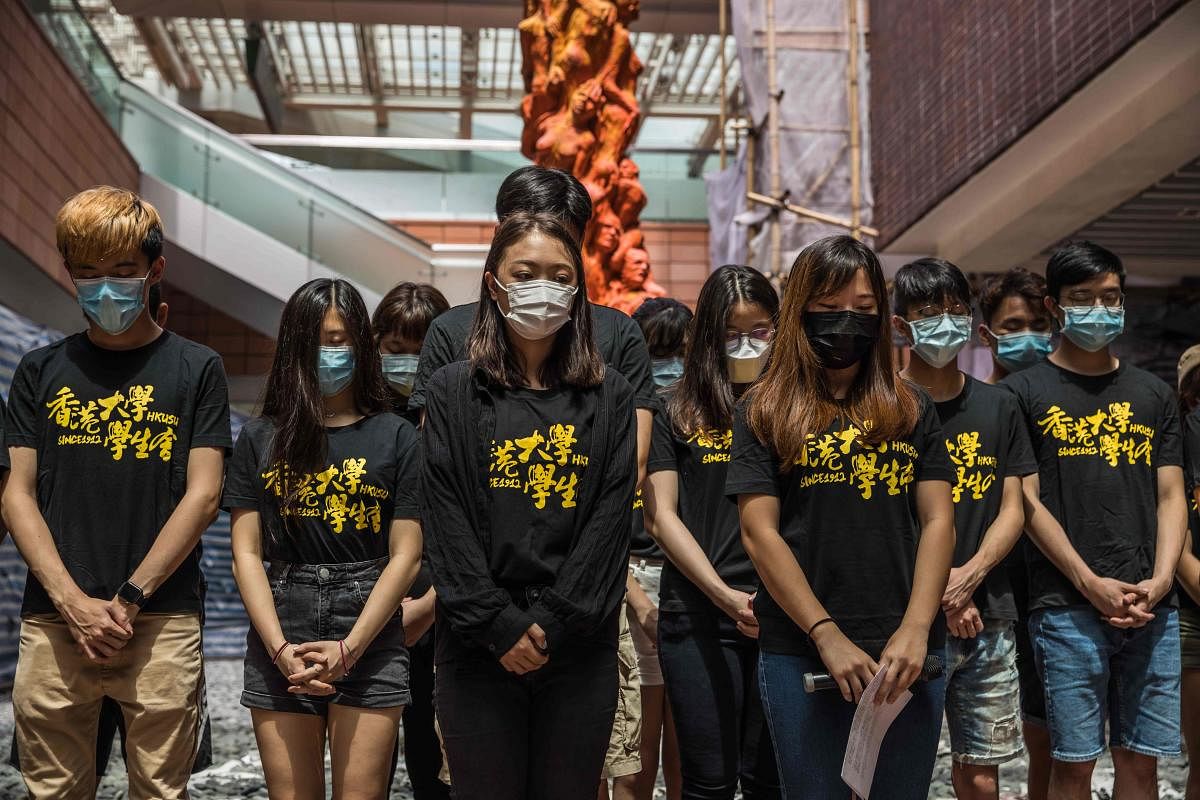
336 495
539 465
842 457
123 423
974 472
1109 433
712 439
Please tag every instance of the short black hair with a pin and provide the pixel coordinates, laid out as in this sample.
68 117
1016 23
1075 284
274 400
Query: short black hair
541 190
1017 282
1078 262
664 322
928 280
154 297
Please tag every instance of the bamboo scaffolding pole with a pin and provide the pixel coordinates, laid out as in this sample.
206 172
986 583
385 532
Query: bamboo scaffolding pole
801 211
776 185
856 229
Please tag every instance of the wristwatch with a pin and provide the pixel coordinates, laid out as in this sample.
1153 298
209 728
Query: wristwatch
132 594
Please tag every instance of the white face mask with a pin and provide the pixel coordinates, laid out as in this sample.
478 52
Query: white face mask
537 309
745 362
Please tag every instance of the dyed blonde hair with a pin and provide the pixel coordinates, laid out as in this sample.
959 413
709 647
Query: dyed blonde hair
105 221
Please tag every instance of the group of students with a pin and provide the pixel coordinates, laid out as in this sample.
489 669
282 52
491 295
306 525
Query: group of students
510 525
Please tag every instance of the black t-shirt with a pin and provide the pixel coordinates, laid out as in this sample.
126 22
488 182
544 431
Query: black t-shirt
1099 441
4 465
701 461
618 338
987 442
537 467
1191 431
344 510
848 512
113 430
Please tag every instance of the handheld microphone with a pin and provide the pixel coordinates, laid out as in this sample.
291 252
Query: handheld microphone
818 682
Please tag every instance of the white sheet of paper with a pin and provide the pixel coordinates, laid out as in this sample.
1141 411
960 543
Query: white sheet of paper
870 724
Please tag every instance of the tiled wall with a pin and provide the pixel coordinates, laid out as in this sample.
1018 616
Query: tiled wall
954 83
54 140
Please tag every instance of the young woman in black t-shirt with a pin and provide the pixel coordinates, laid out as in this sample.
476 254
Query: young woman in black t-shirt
529 471
322 486
707 631
400 323
842 483
665 323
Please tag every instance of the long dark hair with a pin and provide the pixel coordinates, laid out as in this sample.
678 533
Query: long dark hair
293 400
574 359
792 399
703 398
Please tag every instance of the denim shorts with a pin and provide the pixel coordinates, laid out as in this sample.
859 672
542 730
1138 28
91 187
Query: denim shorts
982 698
648 574
321 602
1093 672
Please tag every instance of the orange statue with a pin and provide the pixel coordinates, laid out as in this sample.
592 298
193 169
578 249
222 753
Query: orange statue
581 114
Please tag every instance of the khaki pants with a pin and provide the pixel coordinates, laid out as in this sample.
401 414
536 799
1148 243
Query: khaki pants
156 679
625 746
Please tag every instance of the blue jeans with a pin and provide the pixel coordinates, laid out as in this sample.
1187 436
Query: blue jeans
982 700
1094 672
810 733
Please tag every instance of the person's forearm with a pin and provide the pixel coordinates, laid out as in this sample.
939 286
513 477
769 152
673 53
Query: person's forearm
36 546
636 596
385 598
255 590
1052 540
781 573
934 556
1172 528
999 540
195 512
686 554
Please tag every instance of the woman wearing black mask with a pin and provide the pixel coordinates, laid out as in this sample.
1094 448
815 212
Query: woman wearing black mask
707 630
527 484
322 486
842 483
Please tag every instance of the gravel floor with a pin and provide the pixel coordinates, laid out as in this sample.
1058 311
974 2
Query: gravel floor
237 773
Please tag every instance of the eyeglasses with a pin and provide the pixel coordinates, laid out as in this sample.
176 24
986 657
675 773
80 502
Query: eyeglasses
1109 299
733 339
956 309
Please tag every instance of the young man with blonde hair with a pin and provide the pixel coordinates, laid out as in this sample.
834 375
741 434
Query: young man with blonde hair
117 437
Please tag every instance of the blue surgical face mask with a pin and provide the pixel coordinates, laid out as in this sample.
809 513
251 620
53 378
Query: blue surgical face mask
400 371
666 371
1016 351
1093 328
937 340
112 303
335 368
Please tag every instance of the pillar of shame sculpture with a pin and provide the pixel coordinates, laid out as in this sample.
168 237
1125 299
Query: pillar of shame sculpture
581 114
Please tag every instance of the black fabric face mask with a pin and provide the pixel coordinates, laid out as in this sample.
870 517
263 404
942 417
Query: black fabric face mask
841 338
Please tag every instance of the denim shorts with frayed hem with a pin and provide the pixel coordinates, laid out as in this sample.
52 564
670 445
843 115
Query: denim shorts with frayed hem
1094 672
321 602
982 696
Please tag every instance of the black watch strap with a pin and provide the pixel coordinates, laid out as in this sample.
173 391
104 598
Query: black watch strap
132 594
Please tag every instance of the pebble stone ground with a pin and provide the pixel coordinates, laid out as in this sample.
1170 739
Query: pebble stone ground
237 773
